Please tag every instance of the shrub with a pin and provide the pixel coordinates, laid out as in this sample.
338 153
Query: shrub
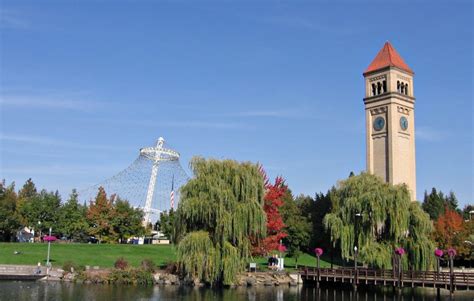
141 276
68 265
121 264
120 277
148 265
171 268
131 276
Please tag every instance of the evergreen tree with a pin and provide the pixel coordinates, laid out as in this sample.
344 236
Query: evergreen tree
220 209
28 190
378 217
297 227
433 203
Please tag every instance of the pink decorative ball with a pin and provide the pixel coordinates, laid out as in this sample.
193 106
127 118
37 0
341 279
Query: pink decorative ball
400 251
318 251
49 238
451 252
438 253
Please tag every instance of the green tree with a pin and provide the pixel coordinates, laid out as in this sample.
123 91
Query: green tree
378 217
466 212
9 221
72 221
433 203
297 227
42 207
99 216
220 209
127 221
166 223
452 202
28 190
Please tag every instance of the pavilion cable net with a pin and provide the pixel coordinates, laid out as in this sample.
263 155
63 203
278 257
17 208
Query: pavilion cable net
152 182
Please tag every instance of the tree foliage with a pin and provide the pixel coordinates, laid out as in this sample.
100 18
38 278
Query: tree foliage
220 208
436 201
9 220
126 220
298 227
166 223
273 200
72 221
378 217
451 231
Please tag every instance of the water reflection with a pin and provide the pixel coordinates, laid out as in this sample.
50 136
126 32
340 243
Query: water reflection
12 290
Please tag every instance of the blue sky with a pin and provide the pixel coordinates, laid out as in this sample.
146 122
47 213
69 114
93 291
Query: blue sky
84 85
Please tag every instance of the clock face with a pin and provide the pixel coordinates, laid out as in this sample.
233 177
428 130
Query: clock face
379 123
403 123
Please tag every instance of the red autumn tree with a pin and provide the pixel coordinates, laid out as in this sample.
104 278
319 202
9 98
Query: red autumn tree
448 229
273 200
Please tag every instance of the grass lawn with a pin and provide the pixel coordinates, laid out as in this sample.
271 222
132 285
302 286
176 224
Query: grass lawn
104 255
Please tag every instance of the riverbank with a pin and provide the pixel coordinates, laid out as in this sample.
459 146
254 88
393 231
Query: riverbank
138 276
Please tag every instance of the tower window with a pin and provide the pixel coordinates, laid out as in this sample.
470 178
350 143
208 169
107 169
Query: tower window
374 90
402 88
379 88
398 86
384 83
406 89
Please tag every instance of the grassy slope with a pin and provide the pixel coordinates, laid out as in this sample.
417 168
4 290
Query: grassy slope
104 255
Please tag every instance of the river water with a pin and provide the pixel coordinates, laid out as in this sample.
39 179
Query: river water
16 290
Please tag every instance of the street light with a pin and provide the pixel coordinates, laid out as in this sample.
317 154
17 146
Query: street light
49 249
355 257
39 227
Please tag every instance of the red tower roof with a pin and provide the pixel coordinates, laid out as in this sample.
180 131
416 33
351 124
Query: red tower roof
388 57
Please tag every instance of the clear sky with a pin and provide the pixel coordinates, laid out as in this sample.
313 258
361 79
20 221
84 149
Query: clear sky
85 84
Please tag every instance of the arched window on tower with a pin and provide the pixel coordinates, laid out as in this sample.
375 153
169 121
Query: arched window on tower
406 89
379 88
384 84
374 90
398 86
402 88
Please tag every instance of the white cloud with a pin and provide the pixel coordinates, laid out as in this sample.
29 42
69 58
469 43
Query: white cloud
48 103
429 134
11 19
41 140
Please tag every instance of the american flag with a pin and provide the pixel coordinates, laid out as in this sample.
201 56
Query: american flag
172 193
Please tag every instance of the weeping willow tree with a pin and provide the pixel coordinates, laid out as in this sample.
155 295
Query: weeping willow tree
379 217
220 209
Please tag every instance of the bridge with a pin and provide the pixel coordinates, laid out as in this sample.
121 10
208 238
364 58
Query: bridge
363 276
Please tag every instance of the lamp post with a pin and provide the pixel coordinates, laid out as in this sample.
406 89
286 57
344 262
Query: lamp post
438 253
49 248
451 254
39 227
356 251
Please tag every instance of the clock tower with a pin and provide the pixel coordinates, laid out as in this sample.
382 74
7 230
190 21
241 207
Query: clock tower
390 119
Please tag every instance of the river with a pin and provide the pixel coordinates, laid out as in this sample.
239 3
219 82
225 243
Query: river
19 291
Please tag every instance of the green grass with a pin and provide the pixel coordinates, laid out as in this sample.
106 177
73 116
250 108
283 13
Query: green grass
304 259
104 255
